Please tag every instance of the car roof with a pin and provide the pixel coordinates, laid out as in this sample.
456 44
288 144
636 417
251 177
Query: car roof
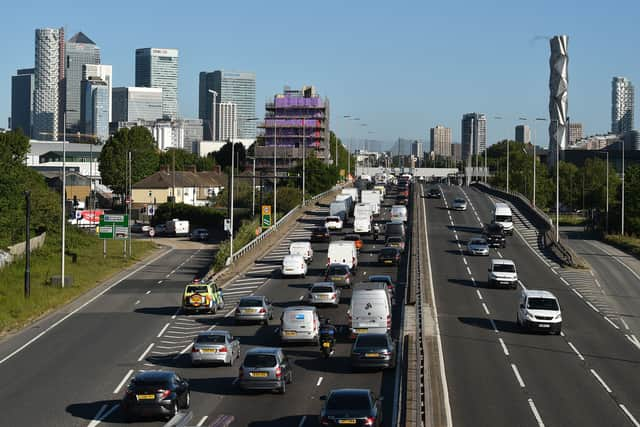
352 391
263 350
292 256
338 264
380 277
331 217
502 261
534 293
477 238
251 297
154 376
322 284
213 332
299 244
459 199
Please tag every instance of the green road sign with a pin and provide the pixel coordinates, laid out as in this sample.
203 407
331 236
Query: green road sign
266 216
114 226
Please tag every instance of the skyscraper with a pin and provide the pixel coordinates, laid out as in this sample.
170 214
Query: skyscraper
136 103
238 88
474 135
22 87
94 107
558 96
523 134
79 50
621 105
104 73
48 74
158 68
441 141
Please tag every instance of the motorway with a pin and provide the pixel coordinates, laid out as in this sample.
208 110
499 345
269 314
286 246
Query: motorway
496 374
75 372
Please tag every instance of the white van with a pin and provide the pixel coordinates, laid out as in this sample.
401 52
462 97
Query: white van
370 309
338 209
399 213
362 210
349 203
539 310
502 215
299 324
362 225
343 252
353 192
372 197
302 248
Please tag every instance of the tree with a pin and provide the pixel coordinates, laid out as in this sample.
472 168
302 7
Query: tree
114 157
223 156
343 161
632 200
184 159
319 176
570 182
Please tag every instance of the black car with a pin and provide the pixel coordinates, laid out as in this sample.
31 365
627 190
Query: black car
402 200
156 393
320 234
351 406
389 256
495 235
434 193
373 351
200 234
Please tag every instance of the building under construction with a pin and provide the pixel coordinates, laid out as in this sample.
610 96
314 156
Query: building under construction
295 119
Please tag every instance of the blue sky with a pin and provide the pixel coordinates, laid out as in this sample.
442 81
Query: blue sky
402 66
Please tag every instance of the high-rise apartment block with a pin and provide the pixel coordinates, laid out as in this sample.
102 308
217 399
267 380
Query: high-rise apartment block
456 152
136 103
226 121
474 135
238 88
523 134
79 50
158 68
440 141
94 108
575 132
622 94
417 149
49 72
22 87
104 73
295 119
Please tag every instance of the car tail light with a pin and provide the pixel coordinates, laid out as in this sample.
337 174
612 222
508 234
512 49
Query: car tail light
388 320
278 372
369 421
262 310
238 310
194 349
163 393
222 349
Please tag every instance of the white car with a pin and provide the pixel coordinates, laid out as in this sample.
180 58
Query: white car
503 272
539 310
294 265
459 204
333 223
302 248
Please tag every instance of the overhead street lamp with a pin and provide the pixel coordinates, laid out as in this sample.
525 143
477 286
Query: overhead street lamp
64 189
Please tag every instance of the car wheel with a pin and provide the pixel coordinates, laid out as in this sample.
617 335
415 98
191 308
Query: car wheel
187 401
174 409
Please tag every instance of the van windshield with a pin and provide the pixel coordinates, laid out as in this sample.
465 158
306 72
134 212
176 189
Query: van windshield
503 218
504 268
542 304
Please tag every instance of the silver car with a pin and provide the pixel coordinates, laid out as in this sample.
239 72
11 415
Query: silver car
478 246
215 346
459 204
254 309
265 368
324 293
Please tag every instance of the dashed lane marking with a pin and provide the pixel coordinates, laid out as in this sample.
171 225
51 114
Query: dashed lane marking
504 347
517 374
611 322
144 353
486 309
478 292
629 415
600 380
121 383
536 414
202 421
163 330
319 382
573 347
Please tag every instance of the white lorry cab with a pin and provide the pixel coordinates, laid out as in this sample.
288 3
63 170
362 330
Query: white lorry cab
353 192
502 215
372 197
399 213
343 252
338 209
362 225
362 210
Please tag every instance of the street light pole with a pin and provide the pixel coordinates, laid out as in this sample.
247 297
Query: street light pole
607 201
27 265
275 171
304 161
64 189
253 203
622 216
233 143
507 165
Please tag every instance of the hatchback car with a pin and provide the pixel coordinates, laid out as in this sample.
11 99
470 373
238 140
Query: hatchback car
356 239
503 272
373 351
478 246
333 223
351 406
155 393
320 234
215 346
265 368
160 229
389 255
495 235
459 204
539 310
294 265
434 193
255 309
200 234
324 293
395 242
339 274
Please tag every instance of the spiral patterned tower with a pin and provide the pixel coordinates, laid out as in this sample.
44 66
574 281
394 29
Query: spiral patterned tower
558 96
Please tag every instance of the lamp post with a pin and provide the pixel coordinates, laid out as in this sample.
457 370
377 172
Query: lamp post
64 190
304 162
622 212
607 194
27 264
275 170
535 132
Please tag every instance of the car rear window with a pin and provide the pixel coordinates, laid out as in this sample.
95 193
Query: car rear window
210 339
371 341
260 361
542 304
394 239
250 302
348 401
199 289
322 289
388 251
338 270
504 268
151 382
295 316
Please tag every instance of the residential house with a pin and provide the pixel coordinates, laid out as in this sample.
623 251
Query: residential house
191 187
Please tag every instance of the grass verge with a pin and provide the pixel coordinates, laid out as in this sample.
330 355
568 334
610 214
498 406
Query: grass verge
244 235
88 270
571 220
628 244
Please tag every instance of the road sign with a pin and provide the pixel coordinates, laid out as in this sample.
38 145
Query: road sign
227 224
266 216
114 226
151 210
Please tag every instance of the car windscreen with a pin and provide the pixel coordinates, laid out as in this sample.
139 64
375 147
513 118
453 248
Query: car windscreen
504 268
459 201
198 289
210 339
371 341
478 242
260 361
250 302
321 289
338 269
542 304
348 401
394 240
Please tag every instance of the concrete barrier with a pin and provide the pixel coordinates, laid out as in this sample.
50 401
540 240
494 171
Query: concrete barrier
18 250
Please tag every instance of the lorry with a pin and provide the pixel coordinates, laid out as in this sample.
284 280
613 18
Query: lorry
348 200
338 209
177 228
353 192
372 197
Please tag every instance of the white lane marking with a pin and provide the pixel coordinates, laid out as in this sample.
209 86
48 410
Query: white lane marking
238 292
97 421
249 279
187 348
600 380
148 292
486 310
469 270
517 374
319 382
493 325
144 354
167 276
617 259
37 337
624 323
185 332
577 293
465 261
593 307
167 347
499 254
202 420
302 420
504 347
628 414
124 380
479 294
610 321
186 326
159 282
562 279
102 409
573 347
536 414
562 334
137 302
443 376
634 342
